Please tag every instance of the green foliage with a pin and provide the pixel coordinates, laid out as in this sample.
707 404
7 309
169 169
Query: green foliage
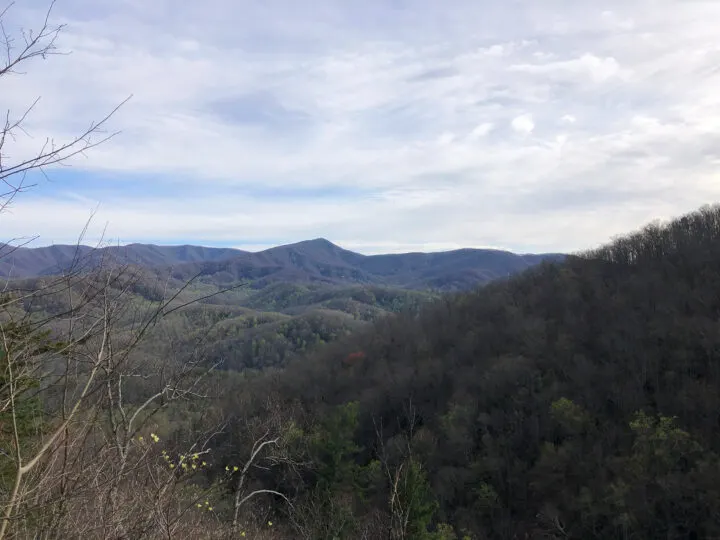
416 500
445 531
657 485
21 353
334 449
280 322
528 392
486 498
569 415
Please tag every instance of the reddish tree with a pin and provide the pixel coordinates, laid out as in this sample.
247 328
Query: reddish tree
353 358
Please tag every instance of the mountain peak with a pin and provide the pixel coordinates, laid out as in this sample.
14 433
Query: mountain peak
316 244
320 242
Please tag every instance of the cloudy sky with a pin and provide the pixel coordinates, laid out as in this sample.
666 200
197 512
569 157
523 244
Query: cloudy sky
382 125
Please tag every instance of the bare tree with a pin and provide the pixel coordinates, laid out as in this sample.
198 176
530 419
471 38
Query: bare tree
17 50
403 473
268 440
81 449
92 452
31 359
78 456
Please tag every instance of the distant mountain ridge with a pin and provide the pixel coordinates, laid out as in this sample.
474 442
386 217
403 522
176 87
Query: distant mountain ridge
317 260
22 262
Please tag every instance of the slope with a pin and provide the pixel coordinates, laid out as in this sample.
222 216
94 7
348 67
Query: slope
323 262
576 400
311 261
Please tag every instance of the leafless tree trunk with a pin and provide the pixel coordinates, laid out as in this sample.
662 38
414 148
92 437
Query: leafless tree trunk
99 445
394 470
269 448
79 357
90 463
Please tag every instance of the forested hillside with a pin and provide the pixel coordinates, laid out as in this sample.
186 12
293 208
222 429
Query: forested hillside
25 261
577 400
313 261
242 326
258 310
256 329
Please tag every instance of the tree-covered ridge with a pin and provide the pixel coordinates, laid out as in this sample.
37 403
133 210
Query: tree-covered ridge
247 325
257 329
577 400
314 261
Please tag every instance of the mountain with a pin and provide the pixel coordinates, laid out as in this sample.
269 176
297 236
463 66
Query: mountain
290 298
22 262
575 400
322 261
316 260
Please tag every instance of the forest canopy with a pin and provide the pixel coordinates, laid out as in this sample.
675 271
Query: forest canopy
576 400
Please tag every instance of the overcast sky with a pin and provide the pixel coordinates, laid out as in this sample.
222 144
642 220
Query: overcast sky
382 125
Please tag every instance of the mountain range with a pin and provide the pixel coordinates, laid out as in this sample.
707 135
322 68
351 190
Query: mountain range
317 260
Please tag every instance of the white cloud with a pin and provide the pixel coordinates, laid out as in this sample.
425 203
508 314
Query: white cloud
403 123
523 124
597 69
481 131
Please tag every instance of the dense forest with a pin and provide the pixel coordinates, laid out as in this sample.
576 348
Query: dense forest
280 322
578 399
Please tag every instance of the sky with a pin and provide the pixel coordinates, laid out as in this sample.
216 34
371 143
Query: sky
381 125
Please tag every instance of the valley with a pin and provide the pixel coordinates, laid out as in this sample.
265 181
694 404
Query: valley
576 397
280 303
